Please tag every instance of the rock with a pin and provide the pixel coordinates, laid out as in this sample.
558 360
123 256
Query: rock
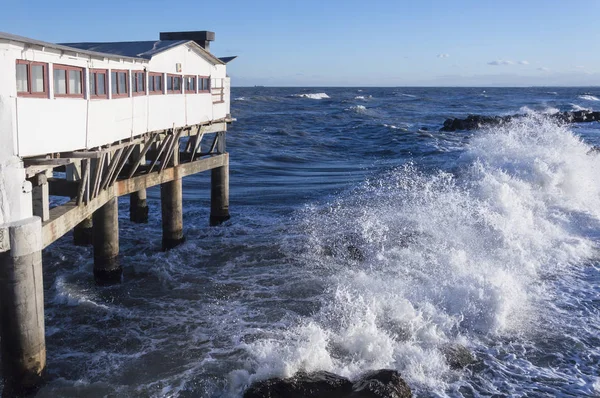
383 383
376 384
473 122
458 356
302 385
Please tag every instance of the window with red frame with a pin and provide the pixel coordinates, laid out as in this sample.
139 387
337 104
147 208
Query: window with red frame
204 84
68 81
32 79
155 83
119 83
174 84
190 84
98 83
138 85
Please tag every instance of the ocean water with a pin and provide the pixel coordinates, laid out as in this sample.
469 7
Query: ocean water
361 238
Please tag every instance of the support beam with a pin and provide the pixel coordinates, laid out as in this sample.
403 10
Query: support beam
40 197
106 243
219 195
138 207
82 233
22 331
172 214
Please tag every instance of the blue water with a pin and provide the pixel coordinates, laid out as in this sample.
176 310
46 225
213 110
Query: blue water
486 239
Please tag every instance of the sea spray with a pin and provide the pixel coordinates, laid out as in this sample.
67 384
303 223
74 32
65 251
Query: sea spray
464 258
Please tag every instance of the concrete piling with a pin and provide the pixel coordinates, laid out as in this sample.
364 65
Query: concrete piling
106 243
22 331
82 233
219 195
138 207
172 214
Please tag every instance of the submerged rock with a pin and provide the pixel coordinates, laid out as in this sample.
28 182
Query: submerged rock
302 385
383 383
458 356
376 384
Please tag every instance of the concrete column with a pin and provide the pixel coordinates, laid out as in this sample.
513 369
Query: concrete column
172 214
138 207
106 243
22 332
82 233
40 197
219 195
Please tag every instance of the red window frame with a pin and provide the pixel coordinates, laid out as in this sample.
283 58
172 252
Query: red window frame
135 90
66 69
171 78
127 85
201 89
153 75
94 78
185 88
28 93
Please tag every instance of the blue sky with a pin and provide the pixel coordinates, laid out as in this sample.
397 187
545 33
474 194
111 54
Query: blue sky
350 43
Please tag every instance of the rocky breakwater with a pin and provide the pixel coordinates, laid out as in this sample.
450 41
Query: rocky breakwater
474 122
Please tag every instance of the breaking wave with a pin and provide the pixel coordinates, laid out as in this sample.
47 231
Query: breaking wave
415 261
316 96
589 97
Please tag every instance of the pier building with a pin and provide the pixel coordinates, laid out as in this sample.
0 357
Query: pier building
89 122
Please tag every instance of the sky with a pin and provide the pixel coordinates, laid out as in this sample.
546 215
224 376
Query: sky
350 42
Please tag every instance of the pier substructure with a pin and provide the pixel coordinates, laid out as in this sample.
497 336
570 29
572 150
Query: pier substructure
23 342
138 207
106 243
171 198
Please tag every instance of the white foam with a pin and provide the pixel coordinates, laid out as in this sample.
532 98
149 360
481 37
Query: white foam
576 107
589 97
316 96
357 109
446 259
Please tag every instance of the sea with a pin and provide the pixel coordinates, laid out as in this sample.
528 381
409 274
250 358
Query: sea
361 237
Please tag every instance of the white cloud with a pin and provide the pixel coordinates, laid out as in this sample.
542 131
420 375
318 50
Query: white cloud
543 69
443 55
523 62
500 62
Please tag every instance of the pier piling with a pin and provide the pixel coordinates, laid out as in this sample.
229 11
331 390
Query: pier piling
106 243
138 207
219 195
82 233
172 214
22 332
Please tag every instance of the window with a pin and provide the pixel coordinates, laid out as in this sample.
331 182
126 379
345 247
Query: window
32 79
155 83
119 86
204 84
138 85
98 83
190 84
174 84
68 81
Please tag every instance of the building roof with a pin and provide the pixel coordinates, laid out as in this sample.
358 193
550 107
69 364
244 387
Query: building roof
227 60
141 49
62 47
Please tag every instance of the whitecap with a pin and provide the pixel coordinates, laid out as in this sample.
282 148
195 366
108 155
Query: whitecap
316 96
589 97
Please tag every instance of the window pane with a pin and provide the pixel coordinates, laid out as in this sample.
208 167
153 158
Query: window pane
101 87
122 83
140 82
159 85
177 83
92 84
22 78
60 81
170 83
151 83
75 82
113 83
37 79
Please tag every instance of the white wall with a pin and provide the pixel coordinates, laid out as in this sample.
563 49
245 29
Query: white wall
45 125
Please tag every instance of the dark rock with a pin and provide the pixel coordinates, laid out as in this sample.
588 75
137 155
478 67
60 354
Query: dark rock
376 384
302 385
458 356
383 383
